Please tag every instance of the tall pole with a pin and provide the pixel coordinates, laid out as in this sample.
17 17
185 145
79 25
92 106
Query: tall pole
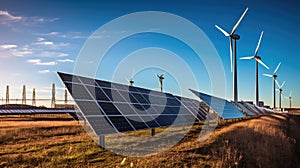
274 93
33 97
53 96
66 96
24 95
280 92
256 84
290 102
161 85
235 90
7 94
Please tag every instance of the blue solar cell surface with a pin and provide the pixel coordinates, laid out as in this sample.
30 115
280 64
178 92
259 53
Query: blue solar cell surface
221 106
124 108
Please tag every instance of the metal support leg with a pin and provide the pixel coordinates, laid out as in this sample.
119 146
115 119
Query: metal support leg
102 141
152 131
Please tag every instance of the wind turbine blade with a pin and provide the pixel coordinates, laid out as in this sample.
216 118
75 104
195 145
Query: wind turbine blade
277 83
268 75
223 31
155 73
277 68
239 21
262 63
163 73
133 71
230 40
126 79
247 58
282 85
258 44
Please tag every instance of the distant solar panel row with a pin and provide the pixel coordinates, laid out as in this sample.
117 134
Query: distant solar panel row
221 106
112 108
35 111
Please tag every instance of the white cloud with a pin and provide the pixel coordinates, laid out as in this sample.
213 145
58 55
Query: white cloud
47 43
7 16
44 71
21 53
39 39
8 19
9 46
39 62
65 60
52 54
34 60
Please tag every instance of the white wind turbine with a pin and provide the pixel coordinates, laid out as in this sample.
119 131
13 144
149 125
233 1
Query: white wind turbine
274 76
160 78
280 92
290 99
257 60
233 62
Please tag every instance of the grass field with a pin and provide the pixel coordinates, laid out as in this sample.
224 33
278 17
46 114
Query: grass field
48 141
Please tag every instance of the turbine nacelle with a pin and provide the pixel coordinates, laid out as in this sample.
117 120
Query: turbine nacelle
235 36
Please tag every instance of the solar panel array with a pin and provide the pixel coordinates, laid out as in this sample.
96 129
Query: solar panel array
225 109
112 108
35 111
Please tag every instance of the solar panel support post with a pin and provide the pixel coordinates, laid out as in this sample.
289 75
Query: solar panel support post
102 141
152 131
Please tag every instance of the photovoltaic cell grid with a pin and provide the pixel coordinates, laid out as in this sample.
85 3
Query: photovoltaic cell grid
35 111
112 108
238 104
225 109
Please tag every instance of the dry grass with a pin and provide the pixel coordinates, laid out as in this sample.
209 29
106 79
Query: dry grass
268 141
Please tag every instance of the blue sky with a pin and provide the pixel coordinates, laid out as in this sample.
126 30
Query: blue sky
39 38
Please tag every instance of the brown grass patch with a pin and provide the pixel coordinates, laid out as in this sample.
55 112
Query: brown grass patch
268 141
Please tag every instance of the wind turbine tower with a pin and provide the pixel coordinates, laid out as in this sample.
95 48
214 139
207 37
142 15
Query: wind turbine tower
53 96
24 95
274 76
33 97
257 60
233 63
160 78
290 99
7 94
280 93
66 96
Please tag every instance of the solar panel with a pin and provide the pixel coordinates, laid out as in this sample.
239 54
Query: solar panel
225 109
247 111
113 108
252 108
36 111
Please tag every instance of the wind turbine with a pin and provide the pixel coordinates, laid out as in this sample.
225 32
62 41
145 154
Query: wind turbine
257 60
160 78
130 80
280 92
274 76
290 98
233 62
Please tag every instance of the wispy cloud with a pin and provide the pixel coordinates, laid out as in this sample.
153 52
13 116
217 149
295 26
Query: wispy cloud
8 46
7 18
39 39
52 54
44 71
39 62
65 60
